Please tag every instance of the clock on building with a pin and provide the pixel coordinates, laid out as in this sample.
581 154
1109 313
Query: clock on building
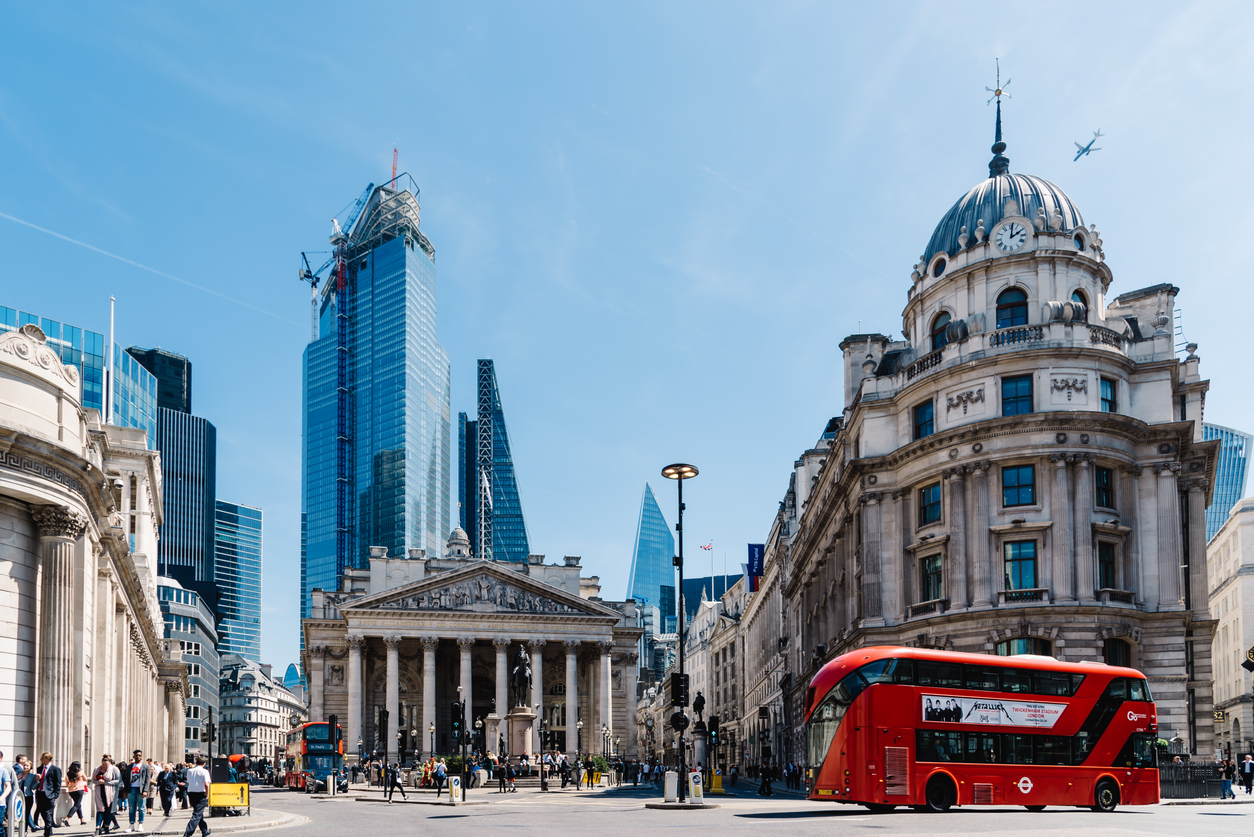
1011 237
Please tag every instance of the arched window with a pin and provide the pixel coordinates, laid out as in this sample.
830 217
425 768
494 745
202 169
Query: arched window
938 331
1118 653
1024 645
1079 298
1012 308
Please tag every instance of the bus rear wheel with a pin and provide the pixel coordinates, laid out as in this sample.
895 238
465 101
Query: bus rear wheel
878 807
1035 807
1106 796
939 794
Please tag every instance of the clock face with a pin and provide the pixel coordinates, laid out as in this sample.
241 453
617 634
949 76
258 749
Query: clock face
1011 237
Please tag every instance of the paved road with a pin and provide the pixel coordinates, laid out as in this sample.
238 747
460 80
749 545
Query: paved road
611 814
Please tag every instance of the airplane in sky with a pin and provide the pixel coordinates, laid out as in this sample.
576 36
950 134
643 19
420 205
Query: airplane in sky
1085 149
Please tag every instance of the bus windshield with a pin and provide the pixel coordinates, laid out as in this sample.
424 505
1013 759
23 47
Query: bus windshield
316 732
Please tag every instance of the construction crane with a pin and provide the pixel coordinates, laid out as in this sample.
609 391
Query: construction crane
307 274
392 185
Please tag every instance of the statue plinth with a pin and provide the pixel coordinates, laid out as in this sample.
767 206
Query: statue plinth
492 732
521 720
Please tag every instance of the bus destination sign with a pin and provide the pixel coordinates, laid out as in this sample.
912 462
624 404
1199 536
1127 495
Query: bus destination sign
965 710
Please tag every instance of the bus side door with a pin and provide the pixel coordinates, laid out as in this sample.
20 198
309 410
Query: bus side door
895 752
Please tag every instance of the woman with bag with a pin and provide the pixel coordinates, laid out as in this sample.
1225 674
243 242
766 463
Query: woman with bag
105 793
75 784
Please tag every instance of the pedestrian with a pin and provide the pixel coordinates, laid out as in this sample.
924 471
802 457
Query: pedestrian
510 773
180 784
153 769
75 784
166 780
1225 784
441 771
588 767
765 788
355 768
140 781
106 779
26 780
1247 774
198 783
46 792
394 782
8 783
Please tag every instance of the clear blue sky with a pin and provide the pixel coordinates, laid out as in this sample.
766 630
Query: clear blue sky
659 219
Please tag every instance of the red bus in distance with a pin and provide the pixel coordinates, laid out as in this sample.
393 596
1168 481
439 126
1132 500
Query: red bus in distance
890 726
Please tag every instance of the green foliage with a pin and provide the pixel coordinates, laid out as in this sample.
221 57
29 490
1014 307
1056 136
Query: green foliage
601 764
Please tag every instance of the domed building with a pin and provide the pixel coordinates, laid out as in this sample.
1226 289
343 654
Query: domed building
1024 472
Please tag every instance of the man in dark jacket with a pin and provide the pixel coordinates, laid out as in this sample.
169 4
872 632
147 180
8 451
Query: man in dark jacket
588 767
47 790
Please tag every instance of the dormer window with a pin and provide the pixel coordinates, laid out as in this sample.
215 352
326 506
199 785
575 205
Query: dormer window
938 331
1012 308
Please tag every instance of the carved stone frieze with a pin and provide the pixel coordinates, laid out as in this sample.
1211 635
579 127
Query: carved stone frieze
1069 386
474 594
964 399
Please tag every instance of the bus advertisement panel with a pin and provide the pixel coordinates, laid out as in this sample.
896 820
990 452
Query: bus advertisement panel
896 726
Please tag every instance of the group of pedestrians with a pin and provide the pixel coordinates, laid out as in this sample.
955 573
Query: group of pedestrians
1232 773
132 787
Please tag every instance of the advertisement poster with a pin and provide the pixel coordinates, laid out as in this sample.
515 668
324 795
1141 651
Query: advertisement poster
1016 713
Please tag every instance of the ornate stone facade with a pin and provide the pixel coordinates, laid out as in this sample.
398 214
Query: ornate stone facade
80 502
406 634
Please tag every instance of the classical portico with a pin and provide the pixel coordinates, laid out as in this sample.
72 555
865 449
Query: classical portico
442 625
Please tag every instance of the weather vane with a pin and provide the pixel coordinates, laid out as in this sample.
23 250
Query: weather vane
1001 88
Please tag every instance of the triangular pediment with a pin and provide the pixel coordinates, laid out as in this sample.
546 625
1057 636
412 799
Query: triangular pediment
480 587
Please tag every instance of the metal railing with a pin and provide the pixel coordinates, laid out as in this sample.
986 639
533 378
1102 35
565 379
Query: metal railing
1107 594
1105 336
923 364
1031 594
1189 781
925 608
1017 335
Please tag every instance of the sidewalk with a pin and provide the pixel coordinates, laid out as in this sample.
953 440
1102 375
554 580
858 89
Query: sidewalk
156 823
1241 799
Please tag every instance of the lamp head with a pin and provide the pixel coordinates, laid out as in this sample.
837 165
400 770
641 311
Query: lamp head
679 471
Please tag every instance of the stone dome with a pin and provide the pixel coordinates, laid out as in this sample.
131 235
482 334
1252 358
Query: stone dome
987 203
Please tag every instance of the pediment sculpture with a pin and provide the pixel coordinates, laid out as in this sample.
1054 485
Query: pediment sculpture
483 593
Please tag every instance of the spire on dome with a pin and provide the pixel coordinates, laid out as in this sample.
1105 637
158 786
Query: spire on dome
1000 164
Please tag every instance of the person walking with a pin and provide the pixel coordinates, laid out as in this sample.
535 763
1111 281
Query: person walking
1225 784
180 785
26 780
75 784
394 782
46 792
198 783
166 780
510 773
588 767
105 780
441 772
1247 774
765 788
140 780
8 784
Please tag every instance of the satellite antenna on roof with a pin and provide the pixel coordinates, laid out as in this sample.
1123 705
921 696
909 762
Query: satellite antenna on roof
1000 90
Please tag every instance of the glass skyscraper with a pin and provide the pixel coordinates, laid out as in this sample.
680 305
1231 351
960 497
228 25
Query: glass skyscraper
134 387
652 579
174 377
1234 452
386 480
189 482
237 556
490 506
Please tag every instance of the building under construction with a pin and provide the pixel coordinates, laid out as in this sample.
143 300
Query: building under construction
376 456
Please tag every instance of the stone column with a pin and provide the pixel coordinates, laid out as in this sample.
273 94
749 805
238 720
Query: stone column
317 655
957 538
536 646
630 662
392 697
872 603
501 644
175 718
1169 553
978 541
356 710
605 686
1198 590
1131 545
572 695
466 643
1083 533
1060 504
56 713
429 644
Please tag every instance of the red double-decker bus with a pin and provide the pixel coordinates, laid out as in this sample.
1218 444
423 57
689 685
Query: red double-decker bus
313 754
892 726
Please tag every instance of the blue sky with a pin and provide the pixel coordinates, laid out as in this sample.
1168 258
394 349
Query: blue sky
658 219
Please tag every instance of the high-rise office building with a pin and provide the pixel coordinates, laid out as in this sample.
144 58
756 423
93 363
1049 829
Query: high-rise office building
174 377
237 560
652 579
189 456
1234 452
375 464
191 629
134 388
490 505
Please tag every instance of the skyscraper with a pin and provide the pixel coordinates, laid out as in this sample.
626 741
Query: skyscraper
375 466
189 457
652 579
237 558
174 377
490 505
1230 474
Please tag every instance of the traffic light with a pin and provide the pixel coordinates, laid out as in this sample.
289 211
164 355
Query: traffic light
459 713
679 689
333 727
713 730
382 737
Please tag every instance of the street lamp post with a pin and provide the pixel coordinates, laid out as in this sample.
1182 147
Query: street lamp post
431 729
680 472
400 747
579 740
544 748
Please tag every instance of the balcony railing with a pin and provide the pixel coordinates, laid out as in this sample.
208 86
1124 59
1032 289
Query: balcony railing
929 608
1031 594
1109 594
1105 336
923 364
1016 336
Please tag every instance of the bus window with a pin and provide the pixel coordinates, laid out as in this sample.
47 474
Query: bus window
1016 680
1138 752
937 746
1052 749
932 673
1077 680
1051 683
1138 690
1019 749
316 732
984 678
1118 688
880 671
903 672
983 747
823 725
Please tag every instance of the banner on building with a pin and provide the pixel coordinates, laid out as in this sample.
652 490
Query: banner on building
964 710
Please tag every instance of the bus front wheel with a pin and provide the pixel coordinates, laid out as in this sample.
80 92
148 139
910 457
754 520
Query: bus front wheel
1035 807
1106 796
939 794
